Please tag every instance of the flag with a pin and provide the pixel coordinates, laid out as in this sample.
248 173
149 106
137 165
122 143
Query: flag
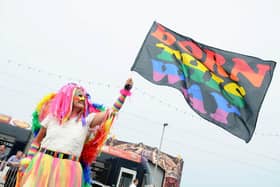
223 87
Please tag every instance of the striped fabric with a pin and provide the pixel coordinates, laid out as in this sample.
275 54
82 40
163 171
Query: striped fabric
33 150
48 171
120 101
59 154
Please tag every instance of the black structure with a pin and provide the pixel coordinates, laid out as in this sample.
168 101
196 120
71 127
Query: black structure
112 170
15 138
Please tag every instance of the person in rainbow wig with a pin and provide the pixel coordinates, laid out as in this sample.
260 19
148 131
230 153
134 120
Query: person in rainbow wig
63 147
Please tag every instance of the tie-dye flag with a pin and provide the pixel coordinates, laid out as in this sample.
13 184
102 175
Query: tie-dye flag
223 87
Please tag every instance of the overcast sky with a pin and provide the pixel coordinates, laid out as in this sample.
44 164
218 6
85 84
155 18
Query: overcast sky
45 44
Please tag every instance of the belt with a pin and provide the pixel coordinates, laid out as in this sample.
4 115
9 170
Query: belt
59 154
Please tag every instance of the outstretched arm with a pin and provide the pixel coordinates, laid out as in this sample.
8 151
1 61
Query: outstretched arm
99 117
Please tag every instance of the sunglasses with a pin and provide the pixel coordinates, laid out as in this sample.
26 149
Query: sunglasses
79 98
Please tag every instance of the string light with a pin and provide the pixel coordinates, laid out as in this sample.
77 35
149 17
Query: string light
108 85
144 93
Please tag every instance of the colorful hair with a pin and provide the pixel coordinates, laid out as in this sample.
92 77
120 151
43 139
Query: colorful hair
60 106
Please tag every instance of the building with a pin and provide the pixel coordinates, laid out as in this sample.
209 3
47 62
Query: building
15 134
120 162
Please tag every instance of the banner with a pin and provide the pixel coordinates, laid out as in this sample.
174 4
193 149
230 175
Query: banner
223 87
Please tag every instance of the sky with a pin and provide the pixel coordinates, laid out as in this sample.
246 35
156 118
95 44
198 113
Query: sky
45 44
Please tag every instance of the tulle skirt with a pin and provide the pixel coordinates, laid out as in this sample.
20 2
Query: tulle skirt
48 171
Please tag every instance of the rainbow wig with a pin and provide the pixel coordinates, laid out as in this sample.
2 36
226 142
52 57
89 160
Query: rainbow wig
60 106
62 103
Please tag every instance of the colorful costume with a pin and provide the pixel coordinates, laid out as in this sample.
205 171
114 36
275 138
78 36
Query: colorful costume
66 152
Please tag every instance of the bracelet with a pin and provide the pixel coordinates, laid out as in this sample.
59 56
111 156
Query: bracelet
125 92
33 149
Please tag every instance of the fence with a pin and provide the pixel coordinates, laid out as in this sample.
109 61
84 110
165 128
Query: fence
8 174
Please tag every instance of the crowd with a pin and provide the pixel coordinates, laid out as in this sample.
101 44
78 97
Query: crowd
9 166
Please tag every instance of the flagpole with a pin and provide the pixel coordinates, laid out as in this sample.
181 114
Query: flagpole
159 150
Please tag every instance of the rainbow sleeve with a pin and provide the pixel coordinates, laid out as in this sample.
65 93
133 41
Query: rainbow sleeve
33 150
120 101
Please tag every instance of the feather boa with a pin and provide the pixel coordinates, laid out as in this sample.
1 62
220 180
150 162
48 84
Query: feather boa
42 109
93 147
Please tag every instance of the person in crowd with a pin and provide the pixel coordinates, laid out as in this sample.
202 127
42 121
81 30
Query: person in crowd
14 160
134 183
3 154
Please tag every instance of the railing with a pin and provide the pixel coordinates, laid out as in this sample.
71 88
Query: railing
8 174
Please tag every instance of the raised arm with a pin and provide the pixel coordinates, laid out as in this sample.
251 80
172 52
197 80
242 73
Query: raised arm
99 117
